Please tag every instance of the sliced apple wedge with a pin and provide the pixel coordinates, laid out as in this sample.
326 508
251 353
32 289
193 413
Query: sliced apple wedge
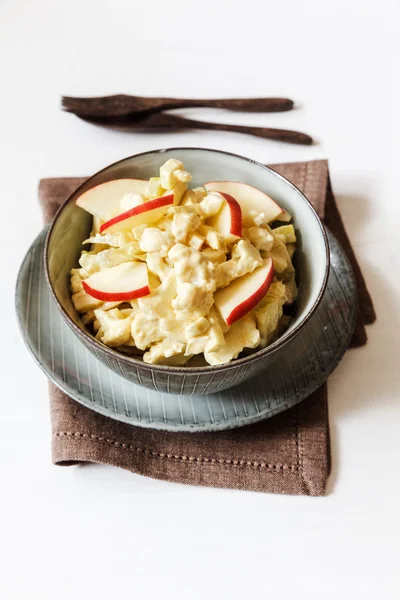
103 200
252 201
123 282
228 220
243 294
145 214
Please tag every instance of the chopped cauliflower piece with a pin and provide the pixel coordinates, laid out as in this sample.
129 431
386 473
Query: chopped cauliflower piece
115 326
110 258
171 172
215 333
154 239
178 191
184 223
157 265
245 258
242 334
167 353
210 205
197 327
191 301
146 330
192 266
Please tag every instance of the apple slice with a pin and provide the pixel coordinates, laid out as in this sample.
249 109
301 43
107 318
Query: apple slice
123 282
103 200
228 220
145 214
252 201
243 294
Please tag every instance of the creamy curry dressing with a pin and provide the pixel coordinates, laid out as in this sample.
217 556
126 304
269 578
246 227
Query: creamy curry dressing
187 262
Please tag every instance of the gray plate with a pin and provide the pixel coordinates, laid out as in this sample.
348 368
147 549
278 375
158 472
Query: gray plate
308 361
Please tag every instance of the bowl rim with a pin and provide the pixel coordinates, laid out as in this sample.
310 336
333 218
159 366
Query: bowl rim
114 354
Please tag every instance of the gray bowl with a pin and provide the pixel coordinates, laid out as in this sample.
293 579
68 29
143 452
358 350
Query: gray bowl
71 226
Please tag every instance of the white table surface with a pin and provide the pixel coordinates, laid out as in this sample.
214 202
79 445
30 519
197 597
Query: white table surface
99 532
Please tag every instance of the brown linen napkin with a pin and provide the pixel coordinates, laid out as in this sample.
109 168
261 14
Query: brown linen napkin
288 454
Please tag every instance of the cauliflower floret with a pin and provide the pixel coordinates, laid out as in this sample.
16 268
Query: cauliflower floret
191 301
216 339
115 326
245 258
155 318
192 266
157 265
154 239
146 329
242 334
184 223
166 353
110 258
171 172
269 311
197 327
84 303
210 205
260 238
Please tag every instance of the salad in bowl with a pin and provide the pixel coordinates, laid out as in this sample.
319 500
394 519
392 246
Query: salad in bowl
184 276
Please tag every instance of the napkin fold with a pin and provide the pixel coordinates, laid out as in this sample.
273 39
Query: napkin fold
287 454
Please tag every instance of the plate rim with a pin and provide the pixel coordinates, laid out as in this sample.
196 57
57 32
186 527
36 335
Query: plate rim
186 427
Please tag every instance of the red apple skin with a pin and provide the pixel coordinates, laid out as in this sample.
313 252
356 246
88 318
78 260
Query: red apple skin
210 187
116 296
236 214
252 301
145 207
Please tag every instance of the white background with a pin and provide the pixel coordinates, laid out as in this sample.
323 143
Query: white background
99 532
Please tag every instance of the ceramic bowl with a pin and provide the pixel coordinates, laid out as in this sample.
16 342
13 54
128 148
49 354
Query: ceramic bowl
72 225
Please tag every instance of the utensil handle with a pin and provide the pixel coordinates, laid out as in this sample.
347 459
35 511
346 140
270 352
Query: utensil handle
281 135
238 104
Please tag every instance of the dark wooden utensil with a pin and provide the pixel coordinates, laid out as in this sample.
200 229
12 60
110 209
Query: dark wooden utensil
168 122
121 104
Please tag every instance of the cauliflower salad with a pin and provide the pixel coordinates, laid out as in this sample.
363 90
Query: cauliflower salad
175 274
